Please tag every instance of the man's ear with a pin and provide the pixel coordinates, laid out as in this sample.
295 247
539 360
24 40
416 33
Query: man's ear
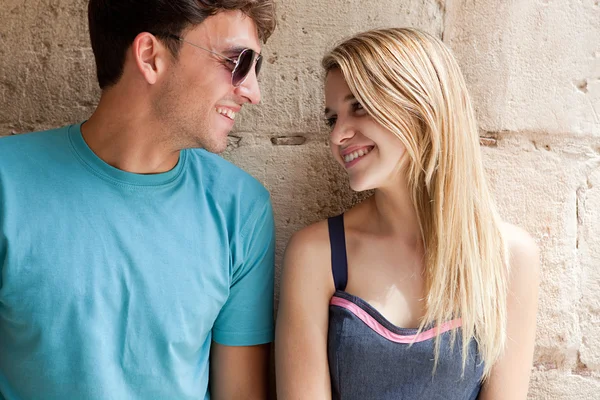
149 55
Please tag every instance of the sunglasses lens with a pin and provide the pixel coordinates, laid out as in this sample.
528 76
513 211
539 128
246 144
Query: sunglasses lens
243 67
258 65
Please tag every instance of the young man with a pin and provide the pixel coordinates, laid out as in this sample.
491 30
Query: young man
129 262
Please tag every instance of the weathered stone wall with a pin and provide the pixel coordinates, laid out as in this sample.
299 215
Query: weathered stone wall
533 68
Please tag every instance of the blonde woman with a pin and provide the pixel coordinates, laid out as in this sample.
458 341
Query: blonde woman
420 291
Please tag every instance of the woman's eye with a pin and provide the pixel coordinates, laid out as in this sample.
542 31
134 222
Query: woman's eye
357 107
330 121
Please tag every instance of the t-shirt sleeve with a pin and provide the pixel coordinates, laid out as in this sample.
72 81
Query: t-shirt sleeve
246 319
3 242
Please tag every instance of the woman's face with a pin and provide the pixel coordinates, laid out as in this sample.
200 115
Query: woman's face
370 153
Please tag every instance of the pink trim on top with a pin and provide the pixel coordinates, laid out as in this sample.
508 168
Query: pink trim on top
386 333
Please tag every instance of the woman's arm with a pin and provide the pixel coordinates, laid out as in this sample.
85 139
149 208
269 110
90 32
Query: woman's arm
510 375
302 370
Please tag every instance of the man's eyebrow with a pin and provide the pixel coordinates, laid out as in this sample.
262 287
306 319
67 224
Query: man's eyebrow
235 51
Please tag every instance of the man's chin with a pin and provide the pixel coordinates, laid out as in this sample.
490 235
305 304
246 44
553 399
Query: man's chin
216 146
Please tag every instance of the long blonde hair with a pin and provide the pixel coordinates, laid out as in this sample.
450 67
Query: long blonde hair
410 83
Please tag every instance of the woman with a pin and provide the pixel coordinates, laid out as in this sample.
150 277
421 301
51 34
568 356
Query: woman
420 291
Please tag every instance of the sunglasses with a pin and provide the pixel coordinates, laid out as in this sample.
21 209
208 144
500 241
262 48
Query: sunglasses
242 65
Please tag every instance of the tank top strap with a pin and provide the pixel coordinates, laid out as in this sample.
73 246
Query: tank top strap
337 241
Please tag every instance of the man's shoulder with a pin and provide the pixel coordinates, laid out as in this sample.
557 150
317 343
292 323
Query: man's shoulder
225 178
33 137
31 145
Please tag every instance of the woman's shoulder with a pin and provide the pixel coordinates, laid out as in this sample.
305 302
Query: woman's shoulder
523 253
306 275
314 238
310 243
308 253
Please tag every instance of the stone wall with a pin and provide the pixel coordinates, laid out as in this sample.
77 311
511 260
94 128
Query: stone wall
533 68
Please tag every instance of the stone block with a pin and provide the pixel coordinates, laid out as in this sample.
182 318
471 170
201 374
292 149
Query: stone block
530 65
47 71
535 183
589 256
555 385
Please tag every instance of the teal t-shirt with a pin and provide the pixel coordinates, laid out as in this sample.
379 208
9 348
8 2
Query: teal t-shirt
113 284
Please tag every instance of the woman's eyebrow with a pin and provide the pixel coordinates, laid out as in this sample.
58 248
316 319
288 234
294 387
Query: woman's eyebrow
347 98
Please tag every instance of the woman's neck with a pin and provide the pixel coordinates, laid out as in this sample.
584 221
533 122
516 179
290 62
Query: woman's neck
395 214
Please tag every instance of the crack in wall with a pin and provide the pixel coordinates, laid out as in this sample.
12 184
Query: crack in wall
580 207
581 85
488 141
233 142
580 211
288 140
578 216
581 368
441 4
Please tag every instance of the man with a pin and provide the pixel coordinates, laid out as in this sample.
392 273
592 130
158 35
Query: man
128 260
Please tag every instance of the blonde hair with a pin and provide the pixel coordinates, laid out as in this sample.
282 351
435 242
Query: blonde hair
411 84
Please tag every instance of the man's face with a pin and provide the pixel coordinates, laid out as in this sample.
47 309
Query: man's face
196 100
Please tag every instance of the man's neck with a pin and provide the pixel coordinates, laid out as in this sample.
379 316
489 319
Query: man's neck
131 140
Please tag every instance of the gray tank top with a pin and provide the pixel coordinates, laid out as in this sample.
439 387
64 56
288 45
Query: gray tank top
372 359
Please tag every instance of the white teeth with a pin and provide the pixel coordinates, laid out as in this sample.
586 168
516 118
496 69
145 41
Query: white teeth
226 112
354 155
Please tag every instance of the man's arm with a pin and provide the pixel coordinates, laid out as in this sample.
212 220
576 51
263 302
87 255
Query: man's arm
243 330
239 372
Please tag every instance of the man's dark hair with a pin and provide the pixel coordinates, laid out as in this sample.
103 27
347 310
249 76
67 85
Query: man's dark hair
114 24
